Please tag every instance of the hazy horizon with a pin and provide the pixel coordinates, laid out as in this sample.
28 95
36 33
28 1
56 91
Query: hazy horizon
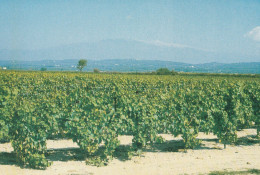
191 31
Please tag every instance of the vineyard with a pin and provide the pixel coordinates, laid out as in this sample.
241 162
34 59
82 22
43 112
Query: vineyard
94 109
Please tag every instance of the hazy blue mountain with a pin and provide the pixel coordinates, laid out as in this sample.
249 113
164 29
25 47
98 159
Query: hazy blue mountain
132 65
125 49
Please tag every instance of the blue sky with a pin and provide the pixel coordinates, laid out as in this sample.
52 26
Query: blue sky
231 26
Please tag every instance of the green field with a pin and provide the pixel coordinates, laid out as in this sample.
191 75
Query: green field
96 108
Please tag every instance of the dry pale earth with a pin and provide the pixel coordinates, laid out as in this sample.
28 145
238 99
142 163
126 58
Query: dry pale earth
209 157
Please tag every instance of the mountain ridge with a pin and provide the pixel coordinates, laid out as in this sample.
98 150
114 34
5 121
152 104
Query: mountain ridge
126 49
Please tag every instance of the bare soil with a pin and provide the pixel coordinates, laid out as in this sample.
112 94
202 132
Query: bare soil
159 159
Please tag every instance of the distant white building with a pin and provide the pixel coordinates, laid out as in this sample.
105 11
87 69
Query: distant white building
4 68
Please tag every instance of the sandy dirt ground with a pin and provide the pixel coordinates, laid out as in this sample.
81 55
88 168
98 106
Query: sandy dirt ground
161 159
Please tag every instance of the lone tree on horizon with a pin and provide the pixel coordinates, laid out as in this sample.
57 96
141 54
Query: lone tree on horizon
81 64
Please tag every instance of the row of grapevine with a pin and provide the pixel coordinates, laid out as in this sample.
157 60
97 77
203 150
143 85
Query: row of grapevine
95 109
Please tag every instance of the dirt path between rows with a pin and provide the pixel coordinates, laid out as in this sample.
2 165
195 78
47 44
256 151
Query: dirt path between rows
162 159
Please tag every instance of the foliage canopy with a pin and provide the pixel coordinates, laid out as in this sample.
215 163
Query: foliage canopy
81 64
94 110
